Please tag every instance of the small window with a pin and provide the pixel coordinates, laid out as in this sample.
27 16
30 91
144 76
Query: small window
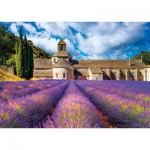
61 47
64 76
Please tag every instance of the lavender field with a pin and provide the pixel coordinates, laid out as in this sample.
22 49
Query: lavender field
74 104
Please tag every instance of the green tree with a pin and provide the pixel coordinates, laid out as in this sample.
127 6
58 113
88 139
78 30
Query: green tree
24 57
28 59
19 56
146 58
31 65
7 45
145 55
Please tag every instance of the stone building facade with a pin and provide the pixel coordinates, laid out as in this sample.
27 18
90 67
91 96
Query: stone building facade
62 66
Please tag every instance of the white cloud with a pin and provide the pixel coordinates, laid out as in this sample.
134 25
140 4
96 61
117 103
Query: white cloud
91 45
70 48
47 44
83 27
14 29
107 36
27 27
98 40
55 28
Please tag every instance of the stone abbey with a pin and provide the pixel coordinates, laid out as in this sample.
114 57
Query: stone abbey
62 66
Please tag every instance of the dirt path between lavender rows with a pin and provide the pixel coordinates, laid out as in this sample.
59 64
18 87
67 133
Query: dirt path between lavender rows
102 117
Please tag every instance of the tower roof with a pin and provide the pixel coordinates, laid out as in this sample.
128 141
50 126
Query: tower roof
61 42
62 54
62 63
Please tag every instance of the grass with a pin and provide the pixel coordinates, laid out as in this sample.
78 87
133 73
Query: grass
4 76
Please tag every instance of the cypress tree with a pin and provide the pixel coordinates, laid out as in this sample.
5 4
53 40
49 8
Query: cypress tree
28 59
28 55
19 56
24 57
31 65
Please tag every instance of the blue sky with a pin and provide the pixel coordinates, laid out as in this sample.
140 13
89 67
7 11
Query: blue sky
88 40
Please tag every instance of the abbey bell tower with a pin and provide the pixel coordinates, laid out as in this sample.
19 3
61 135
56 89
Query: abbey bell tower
61 45
61 53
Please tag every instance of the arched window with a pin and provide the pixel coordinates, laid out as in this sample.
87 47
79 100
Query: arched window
64 75
56 75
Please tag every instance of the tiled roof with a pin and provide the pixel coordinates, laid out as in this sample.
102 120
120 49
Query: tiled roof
62 63
96 70
137 62
81 72
62 54
109 63
40 63
62 42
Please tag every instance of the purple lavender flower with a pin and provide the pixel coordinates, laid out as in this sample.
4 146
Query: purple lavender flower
74 111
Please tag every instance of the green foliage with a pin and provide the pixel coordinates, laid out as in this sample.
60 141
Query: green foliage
19 57
7 45
31 66
39 53
28 59
11 61
24 57
7 48
145 55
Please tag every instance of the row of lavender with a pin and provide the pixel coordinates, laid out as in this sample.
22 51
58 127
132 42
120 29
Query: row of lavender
133 91
74 110
31 108
127 104
128 88
11 90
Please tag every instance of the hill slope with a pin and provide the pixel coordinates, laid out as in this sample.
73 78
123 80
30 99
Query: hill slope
4 76
40 53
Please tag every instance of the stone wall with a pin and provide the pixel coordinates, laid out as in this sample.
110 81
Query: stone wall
122 74
97 76
47 74
60 73
148 74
